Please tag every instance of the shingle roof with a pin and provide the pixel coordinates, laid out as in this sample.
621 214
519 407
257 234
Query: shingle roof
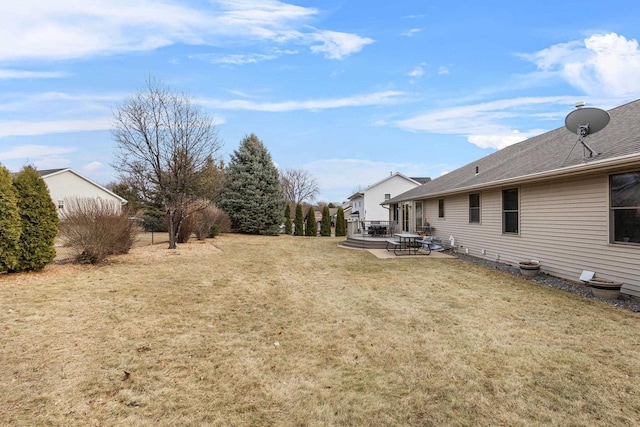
554 150
46 172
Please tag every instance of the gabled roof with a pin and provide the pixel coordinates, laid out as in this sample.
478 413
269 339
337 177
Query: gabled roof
50 172
555 153
417 181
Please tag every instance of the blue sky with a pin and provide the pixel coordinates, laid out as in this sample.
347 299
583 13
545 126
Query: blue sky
348 90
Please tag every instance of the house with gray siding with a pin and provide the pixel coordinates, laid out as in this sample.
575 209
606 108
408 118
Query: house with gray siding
544 199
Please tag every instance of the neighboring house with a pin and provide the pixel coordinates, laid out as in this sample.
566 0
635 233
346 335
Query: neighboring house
67 184
366 205
541 199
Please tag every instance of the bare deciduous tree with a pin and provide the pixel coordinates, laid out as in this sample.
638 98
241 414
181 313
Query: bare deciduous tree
163 143
298 185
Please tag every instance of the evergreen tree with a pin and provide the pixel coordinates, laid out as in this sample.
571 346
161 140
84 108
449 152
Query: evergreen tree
39 221
10 229
340 226
311 227
287 219
325 225
252 197
299 221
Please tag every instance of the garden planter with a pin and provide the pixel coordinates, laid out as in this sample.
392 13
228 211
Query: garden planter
607 289
529 268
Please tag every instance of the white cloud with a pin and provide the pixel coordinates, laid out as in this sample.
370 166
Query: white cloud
412 32
48 30
417 71
337 45
27 128
443 70
601 65
33 151
376 98
488 125
54 162
497 141
7 74
93 166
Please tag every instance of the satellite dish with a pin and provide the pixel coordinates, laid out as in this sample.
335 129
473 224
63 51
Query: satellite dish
586 121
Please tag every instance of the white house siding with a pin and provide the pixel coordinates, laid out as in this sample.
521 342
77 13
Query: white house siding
374 196
66 185
564 225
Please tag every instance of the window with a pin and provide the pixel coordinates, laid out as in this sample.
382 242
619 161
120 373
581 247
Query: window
418 216
60 204
625 207
474 207
440 208
510 211
387 196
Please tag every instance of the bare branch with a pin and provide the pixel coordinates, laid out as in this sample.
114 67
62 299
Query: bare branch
298 185
163 142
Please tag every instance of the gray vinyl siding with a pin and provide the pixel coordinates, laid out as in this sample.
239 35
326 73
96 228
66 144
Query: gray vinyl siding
564 225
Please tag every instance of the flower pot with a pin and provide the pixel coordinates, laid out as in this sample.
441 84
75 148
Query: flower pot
529 268
607 289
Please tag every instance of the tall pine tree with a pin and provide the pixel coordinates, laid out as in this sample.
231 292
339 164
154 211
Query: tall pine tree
298 221
325 225
10 228
340 226
252 196
39 221
311 227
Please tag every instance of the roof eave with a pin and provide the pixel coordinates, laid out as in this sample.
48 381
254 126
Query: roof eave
595 166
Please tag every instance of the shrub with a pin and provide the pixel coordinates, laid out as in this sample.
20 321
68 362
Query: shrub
340 225
213 231
201 223
39 221
95 229
210 218
186 228
298 221
311 227
10 228
325 225
288 226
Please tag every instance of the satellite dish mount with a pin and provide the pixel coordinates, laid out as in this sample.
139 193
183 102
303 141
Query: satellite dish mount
584 122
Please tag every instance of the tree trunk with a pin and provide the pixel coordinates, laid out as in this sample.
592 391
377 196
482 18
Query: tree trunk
172 232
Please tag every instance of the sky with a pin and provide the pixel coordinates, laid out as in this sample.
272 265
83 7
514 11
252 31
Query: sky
348 90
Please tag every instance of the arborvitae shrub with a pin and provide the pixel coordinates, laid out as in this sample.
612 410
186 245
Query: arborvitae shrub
95 229
39 221
325 225
340 225
287 219
10 224
311 227
299 221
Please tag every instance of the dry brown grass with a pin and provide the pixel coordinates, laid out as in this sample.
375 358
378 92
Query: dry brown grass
246 330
